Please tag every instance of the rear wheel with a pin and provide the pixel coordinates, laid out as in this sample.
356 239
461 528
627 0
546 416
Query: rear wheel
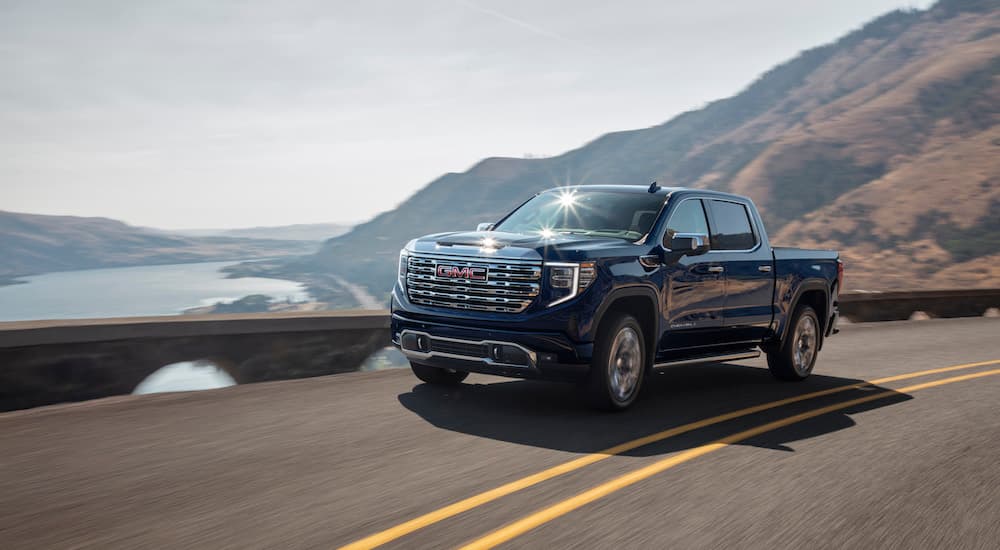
619 364
436 376
795 359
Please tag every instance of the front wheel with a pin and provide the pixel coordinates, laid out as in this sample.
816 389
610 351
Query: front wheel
436 376
795 359
619 364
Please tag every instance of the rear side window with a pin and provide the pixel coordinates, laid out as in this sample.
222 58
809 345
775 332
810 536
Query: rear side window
688 217
731 228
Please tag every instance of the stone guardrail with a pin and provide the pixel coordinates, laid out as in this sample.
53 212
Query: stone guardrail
861 307
46 362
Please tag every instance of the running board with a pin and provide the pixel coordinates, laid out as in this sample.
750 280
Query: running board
710 359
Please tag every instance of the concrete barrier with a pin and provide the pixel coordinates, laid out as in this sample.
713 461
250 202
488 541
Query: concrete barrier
46 362
901 305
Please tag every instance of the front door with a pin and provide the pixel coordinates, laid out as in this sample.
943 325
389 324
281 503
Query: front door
694 290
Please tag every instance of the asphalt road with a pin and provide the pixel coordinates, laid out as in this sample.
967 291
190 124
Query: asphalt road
324 462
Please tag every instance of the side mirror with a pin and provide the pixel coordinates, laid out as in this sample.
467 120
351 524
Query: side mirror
484 227
689 244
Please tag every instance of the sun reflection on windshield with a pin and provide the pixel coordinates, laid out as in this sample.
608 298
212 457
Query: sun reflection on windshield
567 199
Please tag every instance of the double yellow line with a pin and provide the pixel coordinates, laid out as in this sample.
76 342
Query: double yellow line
547 514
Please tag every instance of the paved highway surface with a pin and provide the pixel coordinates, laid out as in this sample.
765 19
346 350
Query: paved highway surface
910 461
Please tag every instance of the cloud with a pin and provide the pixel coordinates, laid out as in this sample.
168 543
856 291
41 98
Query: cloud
521 23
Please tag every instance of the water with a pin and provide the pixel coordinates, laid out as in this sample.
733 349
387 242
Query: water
188 376
138 291
133 291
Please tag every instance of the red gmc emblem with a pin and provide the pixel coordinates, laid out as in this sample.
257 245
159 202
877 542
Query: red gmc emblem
463 272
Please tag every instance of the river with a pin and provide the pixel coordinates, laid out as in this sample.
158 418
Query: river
138 291
132 291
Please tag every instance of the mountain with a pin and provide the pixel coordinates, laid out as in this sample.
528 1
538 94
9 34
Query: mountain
296 232
34 243
884 144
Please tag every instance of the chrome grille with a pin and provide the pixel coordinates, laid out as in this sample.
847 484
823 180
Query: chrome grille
510 286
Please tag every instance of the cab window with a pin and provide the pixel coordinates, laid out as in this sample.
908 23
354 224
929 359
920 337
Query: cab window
688 217
731 227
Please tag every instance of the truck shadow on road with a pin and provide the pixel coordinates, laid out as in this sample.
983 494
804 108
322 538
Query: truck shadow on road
554 416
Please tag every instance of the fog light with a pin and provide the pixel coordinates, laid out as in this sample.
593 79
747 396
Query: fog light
509 355
514 356
415 342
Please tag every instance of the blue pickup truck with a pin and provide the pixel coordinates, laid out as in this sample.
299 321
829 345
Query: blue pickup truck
604 284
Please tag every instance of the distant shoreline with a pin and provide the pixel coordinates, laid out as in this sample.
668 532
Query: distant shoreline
21 278
151 289
321 287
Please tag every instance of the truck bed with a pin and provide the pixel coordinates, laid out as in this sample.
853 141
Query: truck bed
791 253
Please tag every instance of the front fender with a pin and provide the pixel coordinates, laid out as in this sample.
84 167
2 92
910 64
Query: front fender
642 290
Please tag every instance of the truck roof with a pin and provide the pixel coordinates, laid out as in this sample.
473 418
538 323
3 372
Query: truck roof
664 191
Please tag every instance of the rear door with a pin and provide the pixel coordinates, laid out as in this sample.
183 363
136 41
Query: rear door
694 288
737 244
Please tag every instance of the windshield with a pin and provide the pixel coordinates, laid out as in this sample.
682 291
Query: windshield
606 213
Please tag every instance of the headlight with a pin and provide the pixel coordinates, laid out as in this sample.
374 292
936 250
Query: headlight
403 256
567 280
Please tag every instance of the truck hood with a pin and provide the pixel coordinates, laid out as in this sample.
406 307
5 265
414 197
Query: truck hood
519 246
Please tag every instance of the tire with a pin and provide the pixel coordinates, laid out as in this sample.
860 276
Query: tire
438 377
795 358
619 365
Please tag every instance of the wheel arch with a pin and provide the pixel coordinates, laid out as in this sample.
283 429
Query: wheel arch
816 294
640 302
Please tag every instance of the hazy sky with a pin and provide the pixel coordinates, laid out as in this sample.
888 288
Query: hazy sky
194 113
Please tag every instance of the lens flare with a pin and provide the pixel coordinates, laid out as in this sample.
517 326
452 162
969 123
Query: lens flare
567 199
488 245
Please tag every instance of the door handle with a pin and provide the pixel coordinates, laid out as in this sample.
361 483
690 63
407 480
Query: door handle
716 269
764 268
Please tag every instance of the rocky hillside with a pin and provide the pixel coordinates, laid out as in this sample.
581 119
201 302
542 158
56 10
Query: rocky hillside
33 243
884 144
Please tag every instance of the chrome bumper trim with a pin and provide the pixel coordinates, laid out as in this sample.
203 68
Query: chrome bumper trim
416 354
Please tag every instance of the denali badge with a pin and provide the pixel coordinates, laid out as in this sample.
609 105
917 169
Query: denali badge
464 272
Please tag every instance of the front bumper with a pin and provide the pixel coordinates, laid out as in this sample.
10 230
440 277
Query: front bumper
515 354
